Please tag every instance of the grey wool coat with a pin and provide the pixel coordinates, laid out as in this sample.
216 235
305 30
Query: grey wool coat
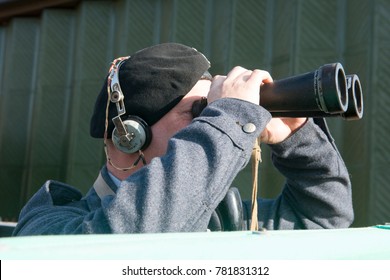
179 191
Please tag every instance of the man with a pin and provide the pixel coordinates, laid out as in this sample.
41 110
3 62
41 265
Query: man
167 171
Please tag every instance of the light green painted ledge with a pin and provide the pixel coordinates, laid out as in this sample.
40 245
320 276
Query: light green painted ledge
354 243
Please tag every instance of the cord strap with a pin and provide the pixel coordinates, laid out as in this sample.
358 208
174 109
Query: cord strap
256 158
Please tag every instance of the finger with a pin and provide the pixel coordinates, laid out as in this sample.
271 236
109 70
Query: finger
217 81
236 72
218 77
260 75
215 88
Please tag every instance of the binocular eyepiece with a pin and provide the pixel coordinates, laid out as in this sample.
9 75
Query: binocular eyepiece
325 92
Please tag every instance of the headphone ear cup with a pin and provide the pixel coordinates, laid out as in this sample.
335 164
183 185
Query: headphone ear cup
140 132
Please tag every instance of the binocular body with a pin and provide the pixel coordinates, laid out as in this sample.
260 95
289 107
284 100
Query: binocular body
325 92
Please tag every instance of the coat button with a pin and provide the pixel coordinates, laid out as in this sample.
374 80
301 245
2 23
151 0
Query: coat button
249 128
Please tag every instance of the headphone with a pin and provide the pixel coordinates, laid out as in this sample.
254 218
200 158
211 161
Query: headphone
133 134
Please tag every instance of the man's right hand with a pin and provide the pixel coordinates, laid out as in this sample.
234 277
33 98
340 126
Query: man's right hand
239 83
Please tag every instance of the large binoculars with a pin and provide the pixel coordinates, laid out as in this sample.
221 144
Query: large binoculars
325 92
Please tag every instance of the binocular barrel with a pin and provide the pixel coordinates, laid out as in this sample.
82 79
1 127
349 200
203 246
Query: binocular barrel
325 92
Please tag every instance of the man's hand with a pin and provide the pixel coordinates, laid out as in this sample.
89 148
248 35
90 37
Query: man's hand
279 129
239 83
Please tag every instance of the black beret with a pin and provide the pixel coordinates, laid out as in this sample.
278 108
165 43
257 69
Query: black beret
153 81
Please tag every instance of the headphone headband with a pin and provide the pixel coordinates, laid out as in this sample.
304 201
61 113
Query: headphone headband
114 87
130 135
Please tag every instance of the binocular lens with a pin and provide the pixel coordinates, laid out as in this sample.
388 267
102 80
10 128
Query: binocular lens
355 95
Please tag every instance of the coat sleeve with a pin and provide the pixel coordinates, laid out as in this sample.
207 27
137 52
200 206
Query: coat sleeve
179 192
317 192
174 193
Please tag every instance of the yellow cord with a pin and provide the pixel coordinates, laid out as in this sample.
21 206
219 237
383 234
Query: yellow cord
256 158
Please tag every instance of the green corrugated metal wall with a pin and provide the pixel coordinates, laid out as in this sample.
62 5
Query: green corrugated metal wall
52 68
